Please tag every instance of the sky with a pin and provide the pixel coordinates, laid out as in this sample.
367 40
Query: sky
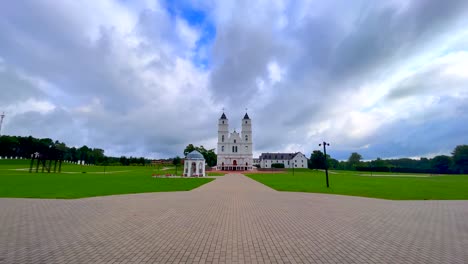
385 79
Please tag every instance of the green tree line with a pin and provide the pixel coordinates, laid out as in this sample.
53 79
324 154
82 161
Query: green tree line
456 163
24 147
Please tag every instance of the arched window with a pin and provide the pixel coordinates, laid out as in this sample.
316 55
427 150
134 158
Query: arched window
234 141
246 138
222 138
233 149
222 148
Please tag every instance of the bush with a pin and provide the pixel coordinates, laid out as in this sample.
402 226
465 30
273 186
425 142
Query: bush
277 165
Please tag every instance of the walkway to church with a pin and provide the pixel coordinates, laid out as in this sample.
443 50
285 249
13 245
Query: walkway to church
232 220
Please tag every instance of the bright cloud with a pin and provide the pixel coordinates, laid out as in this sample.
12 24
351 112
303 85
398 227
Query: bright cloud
149 77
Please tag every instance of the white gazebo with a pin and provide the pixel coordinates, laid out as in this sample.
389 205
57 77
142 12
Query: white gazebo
194 165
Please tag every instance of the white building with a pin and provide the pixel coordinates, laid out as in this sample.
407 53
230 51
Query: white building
290 160
234 149
194 165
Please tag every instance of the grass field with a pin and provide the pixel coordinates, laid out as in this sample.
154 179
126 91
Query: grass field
395 186
77 181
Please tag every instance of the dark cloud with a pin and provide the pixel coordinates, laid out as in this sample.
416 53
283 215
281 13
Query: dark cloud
307 73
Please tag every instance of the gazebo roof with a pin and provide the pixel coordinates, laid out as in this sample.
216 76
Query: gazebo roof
195 155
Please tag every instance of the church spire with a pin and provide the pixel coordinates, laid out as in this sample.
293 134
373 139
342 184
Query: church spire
223 116
246 116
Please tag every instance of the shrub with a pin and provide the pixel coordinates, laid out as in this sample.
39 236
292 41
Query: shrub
277 165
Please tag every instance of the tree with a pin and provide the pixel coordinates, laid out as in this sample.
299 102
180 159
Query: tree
176 162
441 163
460 158
333 163
354 160
189 148
317 160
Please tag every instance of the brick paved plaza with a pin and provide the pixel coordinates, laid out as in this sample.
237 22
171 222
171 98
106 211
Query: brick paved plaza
232 220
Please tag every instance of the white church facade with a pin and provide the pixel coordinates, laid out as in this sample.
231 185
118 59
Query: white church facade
234 149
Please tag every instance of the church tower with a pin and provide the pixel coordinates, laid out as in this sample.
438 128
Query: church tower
247 139
223 133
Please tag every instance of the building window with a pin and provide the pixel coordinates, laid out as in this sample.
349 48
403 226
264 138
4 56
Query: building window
223 122
234 141
246 138
246 148
222 148
222 138
246 122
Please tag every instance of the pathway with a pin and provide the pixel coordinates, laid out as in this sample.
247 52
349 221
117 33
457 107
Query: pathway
232 220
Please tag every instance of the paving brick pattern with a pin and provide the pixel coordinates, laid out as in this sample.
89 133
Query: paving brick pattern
232 220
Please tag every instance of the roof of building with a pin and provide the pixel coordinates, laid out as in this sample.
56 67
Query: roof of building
246 116
195 155
223 116
278 156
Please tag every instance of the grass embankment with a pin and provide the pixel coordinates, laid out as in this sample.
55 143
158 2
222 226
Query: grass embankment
395 186
77 181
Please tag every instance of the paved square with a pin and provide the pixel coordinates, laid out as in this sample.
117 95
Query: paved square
232 220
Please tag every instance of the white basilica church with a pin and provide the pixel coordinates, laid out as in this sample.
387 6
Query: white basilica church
234 149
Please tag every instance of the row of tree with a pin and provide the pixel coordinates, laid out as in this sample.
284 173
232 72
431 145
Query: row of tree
16 146
456 163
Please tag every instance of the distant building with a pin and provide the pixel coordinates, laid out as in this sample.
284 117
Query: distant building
290 160
234 149
256 161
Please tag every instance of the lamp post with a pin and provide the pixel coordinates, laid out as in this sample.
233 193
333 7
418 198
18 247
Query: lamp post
325 144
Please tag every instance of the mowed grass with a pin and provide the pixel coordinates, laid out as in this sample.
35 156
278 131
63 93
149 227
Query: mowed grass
16 181
395 186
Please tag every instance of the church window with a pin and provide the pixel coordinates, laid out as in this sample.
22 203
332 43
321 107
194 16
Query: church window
246 122
223 122
222 138
236 148
222 148
233 149
234 141
246 138
246 148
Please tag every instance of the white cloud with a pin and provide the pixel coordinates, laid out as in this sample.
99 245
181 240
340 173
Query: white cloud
308 71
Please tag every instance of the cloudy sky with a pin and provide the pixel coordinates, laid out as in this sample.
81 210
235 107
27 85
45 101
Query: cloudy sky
382 78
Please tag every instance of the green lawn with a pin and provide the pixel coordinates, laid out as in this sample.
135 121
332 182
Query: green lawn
395 186
77 181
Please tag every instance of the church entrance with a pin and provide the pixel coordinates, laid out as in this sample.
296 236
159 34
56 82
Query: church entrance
234 163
